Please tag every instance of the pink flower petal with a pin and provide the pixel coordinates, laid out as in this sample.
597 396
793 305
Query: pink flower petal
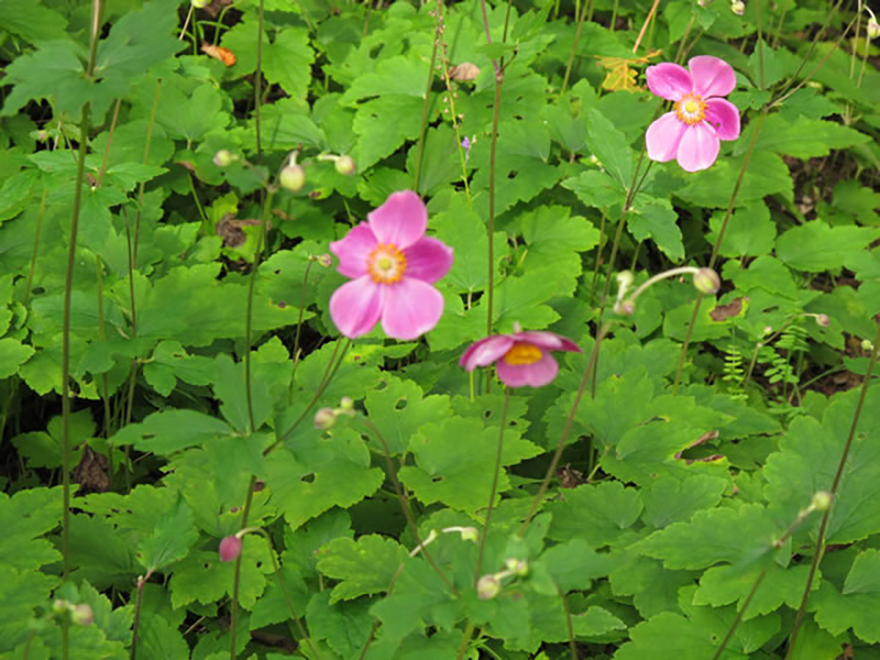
410 308
401 220
356 306
699 147
230 548
428 259
354 250
547 340
723 117
486 351
663 137
669 81
536 374
712 77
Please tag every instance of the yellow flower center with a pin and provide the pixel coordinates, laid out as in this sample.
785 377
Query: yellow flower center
691 109
386 264
522 353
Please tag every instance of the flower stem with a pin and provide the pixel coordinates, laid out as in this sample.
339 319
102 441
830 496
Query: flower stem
742 611
141 581
551 470
404 504
236 580
149 137
258 83
587 8
645 26
426 105
302 304
823 527
572 646
465 640
494 490
37 231
717 247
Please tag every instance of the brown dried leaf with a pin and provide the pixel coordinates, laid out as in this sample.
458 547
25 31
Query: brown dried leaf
464 72
706 437
91 473
731 309
230 229
569 477
219 53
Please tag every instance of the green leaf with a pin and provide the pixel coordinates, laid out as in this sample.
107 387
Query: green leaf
669 500
712 536
815 247
856 606
575 564
20 593
610 146
345 626
802 138
32 21
597 513
367 566
12 355
23 518
655 218
117 623
400 409
767 174
172 539
400 119
456 473
171 430
750 231
287 58
653 588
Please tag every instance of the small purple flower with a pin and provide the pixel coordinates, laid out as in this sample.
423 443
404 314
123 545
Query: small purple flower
466 145
523 358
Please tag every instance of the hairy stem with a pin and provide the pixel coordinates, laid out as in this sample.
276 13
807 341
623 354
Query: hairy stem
296 351
587 8
823 527
420 150
141 581
494 490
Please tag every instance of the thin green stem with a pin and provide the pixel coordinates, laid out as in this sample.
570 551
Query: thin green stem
296 351
588 5
820 540
102 336
110 135
599 253
37 231
236 579
149 138
465 640
134 325
569 422
569 626
141 581
715 249
258 83
739 615
85 122
420 150
494 490
759 26
249 309
404 504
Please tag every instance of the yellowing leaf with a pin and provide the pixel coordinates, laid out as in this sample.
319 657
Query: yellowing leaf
620 74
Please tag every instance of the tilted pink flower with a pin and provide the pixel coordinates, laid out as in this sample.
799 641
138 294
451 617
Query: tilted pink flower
691 133
523 358
393 266
230 548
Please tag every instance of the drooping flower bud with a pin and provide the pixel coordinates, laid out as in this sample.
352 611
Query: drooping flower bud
325 260
325 418
223 158
199 4
873 29
488 587
517 566
82 615
230 548
821 500
42 135
292 178
470 534
707 281
345 165
823 320
867 345
738 7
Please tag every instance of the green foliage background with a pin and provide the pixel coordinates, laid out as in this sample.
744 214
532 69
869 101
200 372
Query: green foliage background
671 500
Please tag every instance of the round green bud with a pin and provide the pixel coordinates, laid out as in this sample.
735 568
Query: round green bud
199 4
738 7
488 587
707 281
345 165
325 418
821 500
325 260
292 178
83 615
470 534
223 158
873 29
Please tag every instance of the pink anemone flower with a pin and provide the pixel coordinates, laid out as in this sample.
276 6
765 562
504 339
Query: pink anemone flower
691 133
521 358
392 265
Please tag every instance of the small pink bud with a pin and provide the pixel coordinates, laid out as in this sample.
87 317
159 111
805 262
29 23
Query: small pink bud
345 165
707 281
325 260
230 548
738 7
873 29
823 320
292 178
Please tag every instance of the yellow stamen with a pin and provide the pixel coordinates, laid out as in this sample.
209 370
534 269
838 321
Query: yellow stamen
522 353
386 264
691 109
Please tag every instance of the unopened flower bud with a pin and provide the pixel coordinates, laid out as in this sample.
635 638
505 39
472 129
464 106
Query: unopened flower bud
595 161
517 567
230 548
707 281
873 29
83 615
325 418
821 500
469 534
292 178
325 260
768 330
625 279
223 158
823 320
738 7
345 165
59 606
867 345
626 308
199 4
42 136
488 587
